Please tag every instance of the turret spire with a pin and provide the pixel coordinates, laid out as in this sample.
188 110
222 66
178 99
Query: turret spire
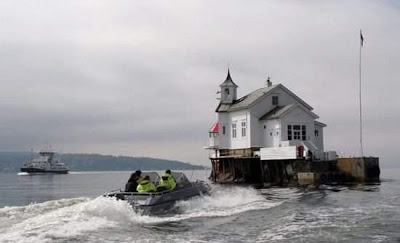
228 81
228 90
229 75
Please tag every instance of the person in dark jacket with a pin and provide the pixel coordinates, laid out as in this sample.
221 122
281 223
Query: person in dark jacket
133 181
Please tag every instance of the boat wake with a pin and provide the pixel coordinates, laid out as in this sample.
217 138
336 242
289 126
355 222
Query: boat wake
71 218
23 173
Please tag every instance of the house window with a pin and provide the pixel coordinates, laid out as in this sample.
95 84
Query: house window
223 130
234 130
303 133
275 100
297 132
244 128
316 133
213 134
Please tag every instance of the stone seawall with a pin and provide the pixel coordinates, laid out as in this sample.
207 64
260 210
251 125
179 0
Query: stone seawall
295 172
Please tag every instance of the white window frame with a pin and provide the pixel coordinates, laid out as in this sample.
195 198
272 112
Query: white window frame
297 134
243 124
234 129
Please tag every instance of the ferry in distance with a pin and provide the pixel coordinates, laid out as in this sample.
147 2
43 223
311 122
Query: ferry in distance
45 164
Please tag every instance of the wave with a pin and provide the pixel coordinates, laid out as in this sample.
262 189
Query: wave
68 218
226 201
64 218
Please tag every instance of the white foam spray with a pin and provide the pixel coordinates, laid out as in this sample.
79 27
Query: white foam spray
23 173
67 218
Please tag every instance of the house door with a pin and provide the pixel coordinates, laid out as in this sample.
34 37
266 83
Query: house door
268 136
272 137
276 137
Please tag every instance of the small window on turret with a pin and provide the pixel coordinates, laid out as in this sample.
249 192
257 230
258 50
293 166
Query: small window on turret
275 100
223 130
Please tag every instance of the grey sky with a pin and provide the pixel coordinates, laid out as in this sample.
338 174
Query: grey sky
139 77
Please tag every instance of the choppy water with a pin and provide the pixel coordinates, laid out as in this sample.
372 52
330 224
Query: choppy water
68 209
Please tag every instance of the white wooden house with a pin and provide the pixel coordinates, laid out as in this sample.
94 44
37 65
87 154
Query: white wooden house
271 123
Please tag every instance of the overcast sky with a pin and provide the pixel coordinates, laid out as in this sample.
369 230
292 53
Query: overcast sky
139 78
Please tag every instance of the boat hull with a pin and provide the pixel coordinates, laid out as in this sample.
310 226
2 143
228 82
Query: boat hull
162 202
42 171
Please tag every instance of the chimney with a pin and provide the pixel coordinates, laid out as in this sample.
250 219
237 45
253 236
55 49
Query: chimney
269 83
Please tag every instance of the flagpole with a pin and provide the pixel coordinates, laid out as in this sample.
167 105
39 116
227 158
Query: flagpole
359 69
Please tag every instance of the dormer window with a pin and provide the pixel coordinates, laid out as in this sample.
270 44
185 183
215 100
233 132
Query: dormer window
275 100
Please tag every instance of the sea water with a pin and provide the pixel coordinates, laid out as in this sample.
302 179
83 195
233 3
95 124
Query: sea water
70 208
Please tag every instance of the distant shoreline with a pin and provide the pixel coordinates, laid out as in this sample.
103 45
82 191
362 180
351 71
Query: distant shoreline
12 161
77 172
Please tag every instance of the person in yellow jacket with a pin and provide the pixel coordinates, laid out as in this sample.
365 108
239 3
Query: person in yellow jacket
167 180
146 185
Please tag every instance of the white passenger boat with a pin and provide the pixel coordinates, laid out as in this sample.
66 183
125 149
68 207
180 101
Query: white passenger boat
45 164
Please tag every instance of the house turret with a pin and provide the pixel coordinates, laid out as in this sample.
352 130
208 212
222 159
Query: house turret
228 90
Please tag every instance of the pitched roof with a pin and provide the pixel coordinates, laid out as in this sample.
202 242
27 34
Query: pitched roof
277 112
252 98
214 128
245 101
280 111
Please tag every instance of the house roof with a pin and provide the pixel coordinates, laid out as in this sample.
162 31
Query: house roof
255 96
214 128
277 112
280 111
245 101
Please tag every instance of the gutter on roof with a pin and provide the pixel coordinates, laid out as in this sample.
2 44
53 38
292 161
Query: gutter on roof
320 124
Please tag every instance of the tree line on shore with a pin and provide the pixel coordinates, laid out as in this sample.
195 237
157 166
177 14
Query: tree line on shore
12 162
